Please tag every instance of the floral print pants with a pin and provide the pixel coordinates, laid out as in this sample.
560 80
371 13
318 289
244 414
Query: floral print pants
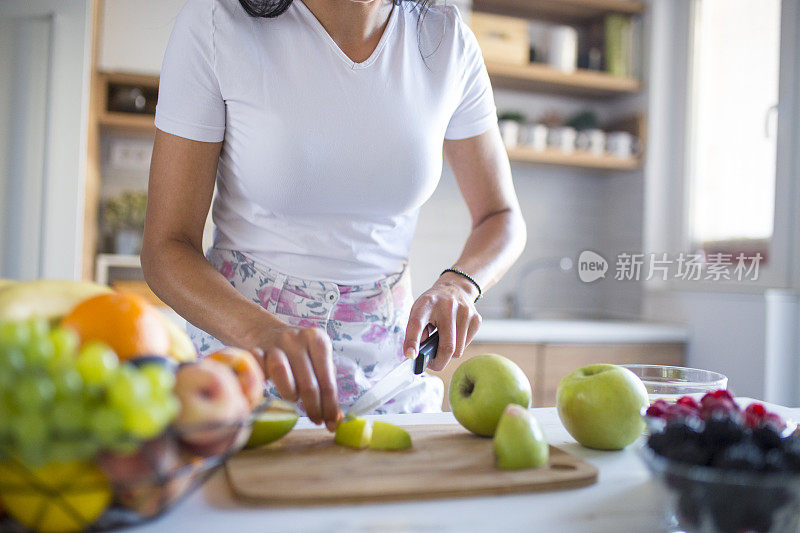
366 324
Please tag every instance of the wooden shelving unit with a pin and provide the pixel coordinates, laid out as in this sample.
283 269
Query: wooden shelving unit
127 122
131 122
561 11
538 77
521 154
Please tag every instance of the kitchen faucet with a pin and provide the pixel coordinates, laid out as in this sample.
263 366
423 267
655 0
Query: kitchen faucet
513 298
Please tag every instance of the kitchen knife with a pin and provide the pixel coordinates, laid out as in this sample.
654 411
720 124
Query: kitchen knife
397 379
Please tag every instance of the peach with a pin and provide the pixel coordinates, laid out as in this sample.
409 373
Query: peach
213 406
248 372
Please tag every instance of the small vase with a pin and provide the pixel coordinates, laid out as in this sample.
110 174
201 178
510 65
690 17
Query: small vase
128 242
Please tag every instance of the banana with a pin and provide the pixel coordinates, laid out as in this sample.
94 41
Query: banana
181 347
50 299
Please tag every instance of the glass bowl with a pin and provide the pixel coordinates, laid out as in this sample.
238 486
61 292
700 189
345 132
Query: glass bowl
706 499
671 382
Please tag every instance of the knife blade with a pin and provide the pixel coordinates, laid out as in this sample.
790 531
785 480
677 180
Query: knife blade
397 379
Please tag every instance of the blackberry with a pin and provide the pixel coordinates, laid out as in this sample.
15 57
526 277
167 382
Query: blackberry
791 453
693 453
775 461
722 431
768 437
659 443
745 455
689 509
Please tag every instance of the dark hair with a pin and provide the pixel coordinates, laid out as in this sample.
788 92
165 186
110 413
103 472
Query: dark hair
273 8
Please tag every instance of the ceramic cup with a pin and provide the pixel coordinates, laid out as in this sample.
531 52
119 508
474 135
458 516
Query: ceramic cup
509 131
534 136
562 139
620 144
592 141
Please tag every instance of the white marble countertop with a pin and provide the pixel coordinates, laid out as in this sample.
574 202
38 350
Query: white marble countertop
623 499
580 331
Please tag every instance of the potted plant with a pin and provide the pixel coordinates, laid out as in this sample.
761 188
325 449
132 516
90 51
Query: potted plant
124 216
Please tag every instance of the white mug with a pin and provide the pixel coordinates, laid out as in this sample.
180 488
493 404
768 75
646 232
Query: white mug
563 53
534 136
620 144
562 138
509 131
592 141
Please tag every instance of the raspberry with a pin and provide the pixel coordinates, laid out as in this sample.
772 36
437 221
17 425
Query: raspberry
719 402
689 402
658 409
723 394
756 415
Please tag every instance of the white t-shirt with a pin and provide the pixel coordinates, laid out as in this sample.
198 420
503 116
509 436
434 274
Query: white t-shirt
325 162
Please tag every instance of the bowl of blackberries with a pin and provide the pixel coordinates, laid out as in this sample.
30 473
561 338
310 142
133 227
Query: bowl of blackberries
726 468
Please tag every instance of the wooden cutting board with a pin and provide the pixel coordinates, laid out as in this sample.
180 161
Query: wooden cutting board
307 468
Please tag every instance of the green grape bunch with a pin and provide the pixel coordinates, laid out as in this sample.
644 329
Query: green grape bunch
60 401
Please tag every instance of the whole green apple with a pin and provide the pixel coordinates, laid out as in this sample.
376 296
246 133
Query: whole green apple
601 405
519 441
482 387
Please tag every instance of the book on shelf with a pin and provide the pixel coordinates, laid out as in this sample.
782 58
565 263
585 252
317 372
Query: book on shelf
622 39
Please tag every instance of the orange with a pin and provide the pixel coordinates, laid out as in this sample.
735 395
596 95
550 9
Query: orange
125 322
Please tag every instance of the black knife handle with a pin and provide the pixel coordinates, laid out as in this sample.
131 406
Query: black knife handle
427 352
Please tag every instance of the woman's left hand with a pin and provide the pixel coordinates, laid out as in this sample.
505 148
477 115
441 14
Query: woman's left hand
449 306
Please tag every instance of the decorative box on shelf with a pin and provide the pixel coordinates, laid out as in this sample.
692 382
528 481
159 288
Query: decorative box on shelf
502 39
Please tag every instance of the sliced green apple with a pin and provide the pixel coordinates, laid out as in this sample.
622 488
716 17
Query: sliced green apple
387 436
272 424
355 432
519 441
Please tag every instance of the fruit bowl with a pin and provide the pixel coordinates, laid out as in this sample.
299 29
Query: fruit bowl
115 490
671 382
709 499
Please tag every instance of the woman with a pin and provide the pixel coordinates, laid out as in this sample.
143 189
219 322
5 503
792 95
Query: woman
323 123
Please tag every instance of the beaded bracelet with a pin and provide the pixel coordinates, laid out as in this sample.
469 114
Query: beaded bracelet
470 278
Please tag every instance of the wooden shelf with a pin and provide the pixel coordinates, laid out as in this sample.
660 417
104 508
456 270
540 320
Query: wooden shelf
542 78
522 154
126 78
127 122
561 11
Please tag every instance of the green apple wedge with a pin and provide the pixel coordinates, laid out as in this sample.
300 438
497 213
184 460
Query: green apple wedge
601 405
272 424
353 432
518 441
482 387
386 436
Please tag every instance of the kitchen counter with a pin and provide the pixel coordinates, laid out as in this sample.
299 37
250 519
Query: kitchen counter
623 499
580 332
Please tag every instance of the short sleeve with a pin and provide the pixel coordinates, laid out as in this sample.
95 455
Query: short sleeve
190 103
476 111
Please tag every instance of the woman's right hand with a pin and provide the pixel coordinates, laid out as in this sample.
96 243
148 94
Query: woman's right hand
299 362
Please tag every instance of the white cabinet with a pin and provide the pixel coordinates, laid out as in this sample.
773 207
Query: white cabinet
134 34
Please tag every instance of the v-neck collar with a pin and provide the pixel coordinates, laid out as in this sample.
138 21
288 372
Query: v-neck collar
312 21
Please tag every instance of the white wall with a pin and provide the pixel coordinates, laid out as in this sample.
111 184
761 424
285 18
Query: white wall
727 333
135 34
64 134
